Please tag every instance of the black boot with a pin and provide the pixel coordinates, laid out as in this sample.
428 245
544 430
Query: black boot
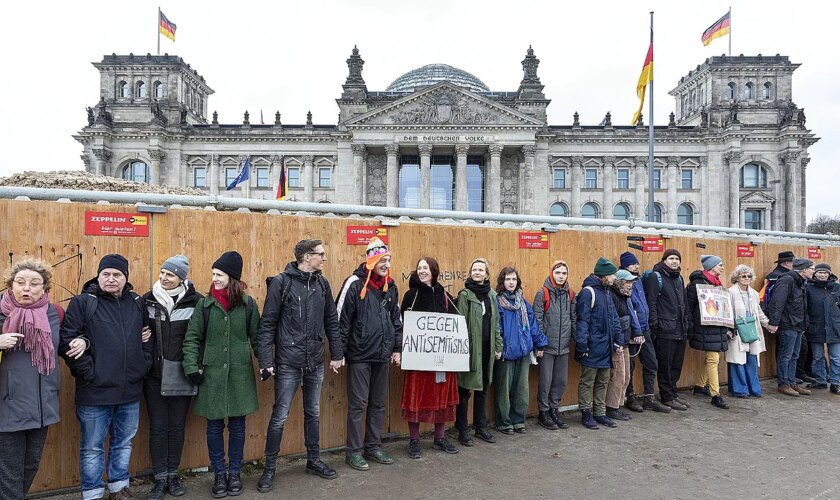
617 414
719 402
633 404
158 490
220 485
835 389
545 420
320 469
175 486
555 416
266 481
651 403
234 486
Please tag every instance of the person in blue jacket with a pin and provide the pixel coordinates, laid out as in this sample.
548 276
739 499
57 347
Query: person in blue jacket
521 336
597 336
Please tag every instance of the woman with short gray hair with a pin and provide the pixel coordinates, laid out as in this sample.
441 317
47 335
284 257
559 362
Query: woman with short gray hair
742 357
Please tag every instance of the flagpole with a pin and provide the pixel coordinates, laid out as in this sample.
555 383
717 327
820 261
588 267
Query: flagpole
158 31
730 31
650 209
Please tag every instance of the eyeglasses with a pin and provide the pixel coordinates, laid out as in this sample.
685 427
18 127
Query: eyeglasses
323 255
33 283
750 276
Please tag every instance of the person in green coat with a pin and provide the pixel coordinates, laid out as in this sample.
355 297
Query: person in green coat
217 357
477 303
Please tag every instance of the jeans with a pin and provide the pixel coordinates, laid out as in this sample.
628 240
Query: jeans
554 374
818 366
95 422
167 418
19 462
216 443
743 379
709 373
647 355
286 383
592 389
789 345
670 355
511 392
367 392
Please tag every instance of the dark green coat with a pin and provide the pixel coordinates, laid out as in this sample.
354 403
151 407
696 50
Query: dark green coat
229 388
470 307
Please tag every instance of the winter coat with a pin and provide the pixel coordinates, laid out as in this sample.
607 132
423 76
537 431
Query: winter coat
666 303
737 352
824 311
516 341
788 307
299 310
640 305
709 338
111 370
598 330
370 328
173 327
558 322
223 348
627 317
471 307
28 400
769 284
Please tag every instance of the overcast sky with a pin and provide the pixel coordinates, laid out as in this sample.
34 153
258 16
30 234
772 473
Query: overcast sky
290 56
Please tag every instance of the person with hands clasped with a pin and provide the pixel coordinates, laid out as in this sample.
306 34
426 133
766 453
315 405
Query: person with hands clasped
620 292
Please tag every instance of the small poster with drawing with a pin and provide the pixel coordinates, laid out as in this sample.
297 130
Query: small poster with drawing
715 306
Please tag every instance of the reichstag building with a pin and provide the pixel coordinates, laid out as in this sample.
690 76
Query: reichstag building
734 152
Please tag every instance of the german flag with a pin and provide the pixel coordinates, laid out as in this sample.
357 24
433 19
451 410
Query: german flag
283 185
717 30
167 27
644 78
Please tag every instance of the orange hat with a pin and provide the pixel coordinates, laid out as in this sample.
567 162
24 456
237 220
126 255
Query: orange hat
376 249
555 265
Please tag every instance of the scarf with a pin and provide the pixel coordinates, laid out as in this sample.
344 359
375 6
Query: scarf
479 289
518 305
33 323
168 298
714 280
380 282
221 296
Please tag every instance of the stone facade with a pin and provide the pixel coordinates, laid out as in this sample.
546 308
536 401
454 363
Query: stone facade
734 153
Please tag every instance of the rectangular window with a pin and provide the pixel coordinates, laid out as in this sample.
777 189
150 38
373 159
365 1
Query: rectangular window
591 178
657 178
559 181
324 177
409 182
752 219
475 183
200 177
230 175
262 178
442 183
687 178
293 176
622 178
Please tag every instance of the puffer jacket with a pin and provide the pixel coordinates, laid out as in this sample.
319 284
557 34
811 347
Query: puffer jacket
298 312
559 321
371 328
788 307
598 331
824 311
709 338
517 340
173 327
666 303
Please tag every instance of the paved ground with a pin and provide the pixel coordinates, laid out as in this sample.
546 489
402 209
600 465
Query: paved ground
773 447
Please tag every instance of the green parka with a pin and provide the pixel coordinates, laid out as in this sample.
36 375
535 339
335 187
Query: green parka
229 388
469 306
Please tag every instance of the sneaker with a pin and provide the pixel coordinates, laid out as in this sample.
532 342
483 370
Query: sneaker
557 419
545 420
507 431
158 491
801 390
320 469
175 486
605 421
520 430
651 403
587 421
123 494
719 402
675 405
702 391
633 404
616 414
788 390
266 481
414 448
378 456
357 462
444 445
220 485
484 434
234 484
465 439
807 378
680 401
817 386
835 389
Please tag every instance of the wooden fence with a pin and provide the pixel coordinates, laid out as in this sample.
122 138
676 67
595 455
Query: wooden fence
55 232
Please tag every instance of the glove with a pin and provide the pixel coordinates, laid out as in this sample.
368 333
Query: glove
265 374
196 378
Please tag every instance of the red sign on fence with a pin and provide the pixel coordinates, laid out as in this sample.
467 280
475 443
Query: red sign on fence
653 245
116 224
746 250
814 253
361 235
533 240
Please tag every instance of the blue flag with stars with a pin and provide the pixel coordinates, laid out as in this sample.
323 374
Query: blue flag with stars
244 174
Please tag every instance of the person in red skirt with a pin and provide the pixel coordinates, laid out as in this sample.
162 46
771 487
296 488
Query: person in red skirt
430 397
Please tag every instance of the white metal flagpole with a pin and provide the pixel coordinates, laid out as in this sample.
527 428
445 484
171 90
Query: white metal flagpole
158 31
650 209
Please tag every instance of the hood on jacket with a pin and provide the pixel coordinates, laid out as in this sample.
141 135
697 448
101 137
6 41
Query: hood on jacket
825 284
293 271
550 284
593 281
698 276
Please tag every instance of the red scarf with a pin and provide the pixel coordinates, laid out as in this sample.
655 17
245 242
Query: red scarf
714 280
221 297
33 323
378 282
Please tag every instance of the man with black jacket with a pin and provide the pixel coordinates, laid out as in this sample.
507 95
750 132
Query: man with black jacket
371 335
788 310
298 310
105 344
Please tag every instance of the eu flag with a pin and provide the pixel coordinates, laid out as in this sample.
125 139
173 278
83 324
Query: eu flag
244 175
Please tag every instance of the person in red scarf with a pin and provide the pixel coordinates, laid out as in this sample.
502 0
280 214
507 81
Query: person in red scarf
28 346
711 339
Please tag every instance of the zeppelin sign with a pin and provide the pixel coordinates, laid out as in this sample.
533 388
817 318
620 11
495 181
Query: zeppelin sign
445 138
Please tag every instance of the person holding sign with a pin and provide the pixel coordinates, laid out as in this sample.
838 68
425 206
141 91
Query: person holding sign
477 302
521 336
428 396
704 335
742 356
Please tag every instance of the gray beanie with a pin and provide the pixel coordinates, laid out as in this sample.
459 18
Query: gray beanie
709 261
179 265
802 264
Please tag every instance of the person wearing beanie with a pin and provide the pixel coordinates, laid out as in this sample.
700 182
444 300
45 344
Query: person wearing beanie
626 260
620 292
555 311
824 327
170 305
370 326
218 361
711 339
598 335
665 294
787 310
111 317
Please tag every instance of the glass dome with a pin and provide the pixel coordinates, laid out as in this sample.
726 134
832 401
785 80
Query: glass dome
432 74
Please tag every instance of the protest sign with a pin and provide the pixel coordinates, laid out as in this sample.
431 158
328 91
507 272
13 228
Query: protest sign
435 342
715 306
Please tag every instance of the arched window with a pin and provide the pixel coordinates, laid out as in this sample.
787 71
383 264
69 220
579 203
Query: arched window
621 211
136 171
657 213
753 176
700 100
765 91
158 90
749 91
685 214
122 90
589 211
141 90
558 209
730 91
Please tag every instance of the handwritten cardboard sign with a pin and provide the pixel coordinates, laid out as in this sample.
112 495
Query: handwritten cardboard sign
435 342
715 306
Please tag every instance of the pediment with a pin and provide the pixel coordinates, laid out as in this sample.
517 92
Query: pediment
757 198
444 104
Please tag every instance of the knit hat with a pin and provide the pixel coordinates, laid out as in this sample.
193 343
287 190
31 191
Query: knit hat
802 264
671 251
822 267
230 263
555 265
114 261
627 259
179 265
604 267
625 275
374 252
785 256
709 261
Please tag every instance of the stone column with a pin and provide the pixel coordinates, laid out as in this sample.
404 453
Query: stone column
493 193
157 156
609 180
803 165
308 178
461 203
792 190
214 174
702 183
641 182
733 161
246 186
529 152
577 176
425 174
673 180
359 155
274 173
392 175
102 156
